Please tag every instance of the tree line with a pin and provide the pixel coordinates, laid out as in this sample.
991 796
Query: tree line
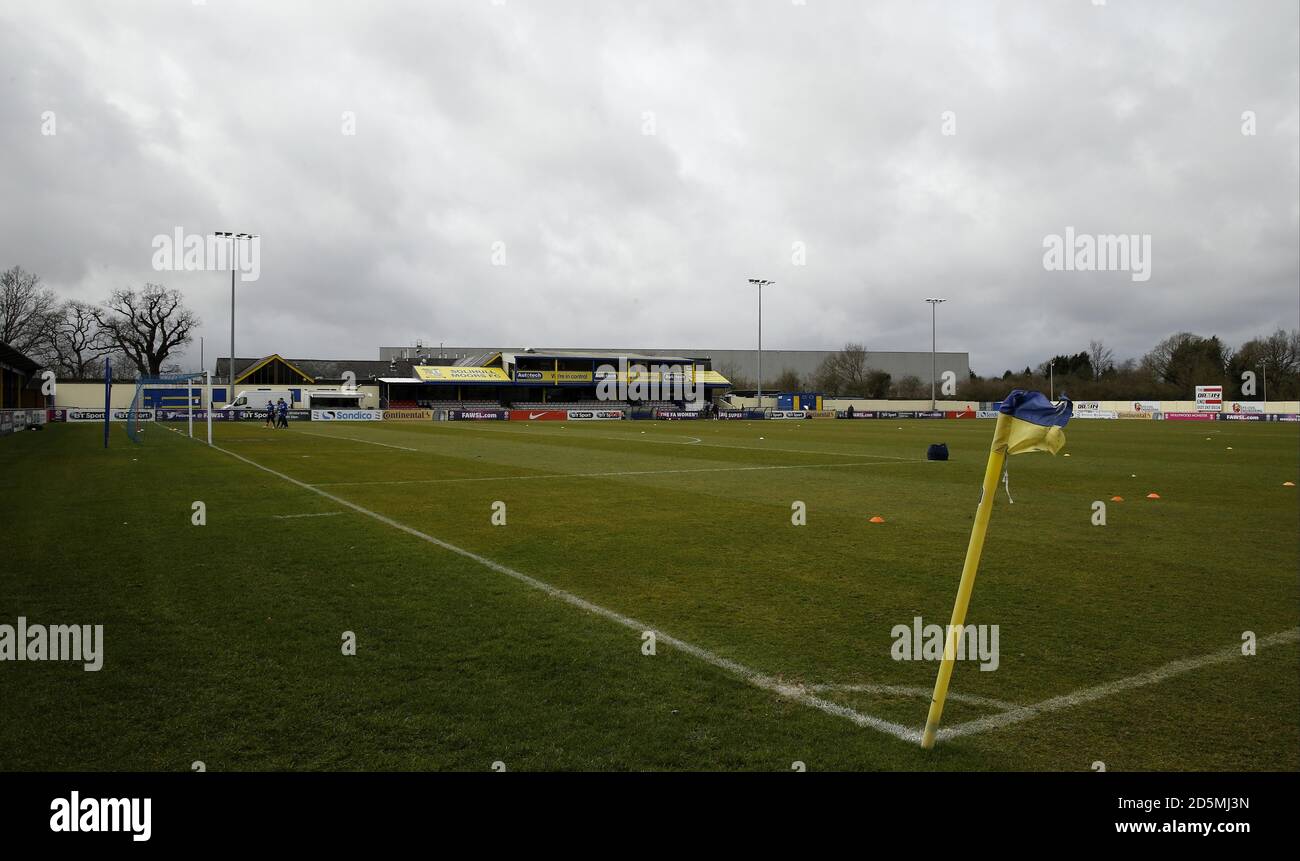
137 330
1171 370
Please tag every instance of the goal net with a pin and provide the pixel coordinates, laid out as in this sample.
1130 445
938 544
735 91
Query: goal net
168 397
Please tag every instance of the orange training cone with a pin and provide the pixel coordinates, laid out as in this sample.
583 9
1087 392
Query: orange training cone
1117 499
877 519
1153 496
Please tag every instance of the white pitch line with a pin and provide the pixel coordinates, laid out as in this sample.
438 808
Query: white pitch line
1087 695
559 475
753 677
670 442
915 691
355 439
320 514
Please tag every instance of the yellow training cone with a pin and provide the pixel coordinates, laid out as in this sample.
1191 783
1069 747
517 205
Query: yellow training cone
1288 484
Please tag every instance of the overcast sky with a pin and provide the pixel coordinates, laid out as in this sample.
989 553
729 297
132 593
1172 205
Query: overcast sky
639 161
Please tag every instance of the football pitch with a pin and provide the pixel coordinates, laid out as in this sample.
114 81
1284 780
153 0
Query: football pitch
504 583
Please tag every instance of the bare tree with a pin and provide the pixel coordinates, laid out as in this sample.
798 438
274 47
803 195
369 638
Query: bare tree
147 325
788 381
844 372
738 378
79 343
27 312
911 387
1102 359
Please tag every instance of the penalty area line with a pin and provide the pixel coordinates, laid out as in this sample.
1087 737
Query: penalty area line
768 683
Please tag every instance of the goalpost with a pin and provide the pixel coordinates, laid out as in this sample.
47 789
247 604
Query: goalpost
165 398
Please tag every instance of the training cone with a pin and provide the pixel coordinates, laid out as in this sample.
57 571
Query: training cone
1288 484
1117 499
877 519
1153 496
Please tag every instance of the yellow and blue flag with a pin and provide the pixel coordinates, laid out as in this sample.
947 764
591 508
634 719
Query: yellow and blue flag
1030 422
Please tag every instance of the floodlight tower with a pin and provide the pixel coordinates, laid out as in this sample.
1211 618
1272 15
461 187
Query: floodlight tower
234 259
1051 381
934 362
760 283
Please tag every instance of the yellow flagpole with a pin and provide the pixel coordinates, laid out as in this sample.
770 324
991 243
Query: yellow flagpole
997 456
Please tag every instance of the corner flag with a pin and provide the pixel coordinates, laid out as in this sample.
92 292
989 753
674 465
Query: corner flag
1027 421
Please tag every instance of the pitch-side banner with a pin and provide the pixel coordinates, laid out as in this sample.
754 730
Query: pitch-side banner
1095 414
677 415
564 415
408 415
593 415
116 415
1190 417
1209 399
478 415
347 415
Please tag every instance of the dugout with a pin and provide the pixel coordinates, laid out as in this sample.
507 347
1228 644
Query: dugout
20 382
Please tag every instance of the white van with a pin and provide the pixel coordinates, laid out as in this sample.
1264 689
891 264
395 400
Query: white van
255 399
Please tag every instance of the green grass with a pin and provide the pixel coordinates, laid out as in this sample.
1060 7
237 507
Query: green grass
223 641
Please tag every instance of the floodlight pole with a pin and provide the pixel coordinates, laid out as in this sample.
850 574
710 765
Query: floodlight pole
207 385
760 283
1051 381
234 260
1263 364
934 360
